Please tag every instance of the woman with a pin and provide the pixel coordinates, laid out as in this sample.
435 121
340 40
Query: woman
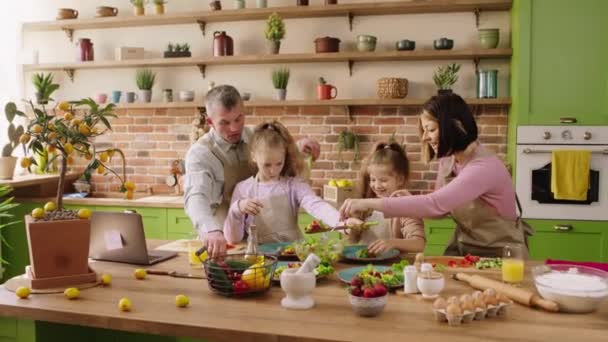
473 185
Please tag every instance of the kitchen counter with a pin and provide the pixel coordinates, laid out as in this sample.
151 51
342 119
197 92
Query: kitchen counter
37 185
152 201
217 318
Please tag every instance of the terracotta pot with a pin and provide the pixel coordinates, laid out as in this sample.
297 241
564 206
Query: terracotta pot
58 248
331 2
106 11
326 92
274 46
66 13
159 9
327 44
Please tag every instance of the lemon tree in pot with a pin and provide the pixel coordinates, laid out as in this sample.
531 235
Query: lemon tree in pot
58 238
445 77
280 79
275 31
7 161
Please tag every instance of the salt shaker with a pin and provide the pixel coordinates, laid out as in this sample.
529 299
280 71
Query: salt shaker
410 274
311 262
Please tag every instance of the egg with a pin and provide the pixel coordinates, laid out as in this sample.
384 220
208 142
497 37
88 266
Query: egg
464 298
454 300
479 303
440 304
454 310
490 300
490 292
468 304
501 298
477 294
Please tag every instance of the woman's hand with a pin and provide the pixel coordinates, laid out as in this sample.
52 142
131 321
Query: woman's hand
309 146
250 206
352 223
381 246
356 207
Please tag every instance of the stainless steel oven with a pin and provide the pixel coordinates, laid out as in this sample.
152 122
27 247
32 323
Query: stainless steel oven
533 173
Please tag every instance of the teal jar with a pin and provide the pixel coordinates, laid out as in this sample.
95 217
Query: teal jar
366 43
487 84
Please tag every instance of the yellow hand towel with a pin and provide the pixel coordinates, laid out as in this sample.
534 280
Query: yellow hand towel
570 174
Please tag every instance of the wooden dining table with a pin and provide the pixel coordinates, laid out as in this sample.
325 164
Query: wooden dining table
216 318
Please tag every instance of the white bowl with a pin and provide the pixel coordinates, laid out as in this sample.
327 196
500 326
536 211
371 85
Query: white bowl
576 289
430 284
368 307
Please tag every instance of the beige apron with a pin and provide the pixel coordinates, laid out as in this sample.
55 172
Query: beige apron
479 229
276 222
233 174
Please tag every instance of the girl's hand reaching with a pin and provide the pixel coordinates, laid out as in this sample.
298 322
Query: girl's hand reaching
250 206
381 246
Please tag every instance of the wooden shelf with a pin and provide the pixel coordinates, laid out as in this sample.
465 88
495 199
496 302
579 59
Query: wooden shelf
347 57
408 102
201 17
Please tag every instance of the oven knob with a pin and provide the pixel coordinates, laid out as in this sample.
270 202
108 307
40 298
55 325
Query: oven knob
547 135
567 135
587 136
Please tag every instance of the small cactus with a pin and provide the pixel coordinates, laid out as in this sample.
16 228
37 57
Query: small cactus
170 47
322 81
14 133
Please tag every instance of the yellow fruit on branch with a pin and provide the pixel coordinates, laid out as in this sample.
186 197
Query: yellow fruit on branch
75 122
103 156
37 129
26 162
51 148
52 136
129 194
24 138
101 169
64 105
88 156
50 206
68 148
84 129
70 160
110 153
68 116
129 186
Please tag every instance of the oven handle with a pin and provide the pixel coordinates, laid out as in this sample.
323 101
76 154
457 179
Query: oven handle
563 227
531 151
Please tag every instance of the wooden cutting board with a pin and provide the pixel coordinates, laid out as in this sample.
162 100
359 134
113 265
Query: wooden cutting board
445 259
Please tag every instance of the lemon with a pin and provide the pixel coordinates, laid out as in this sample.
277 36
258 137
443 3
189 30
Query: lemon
75 122
342 183
84 213
181 301
129 194
37 129
50 206
106 279
204 256
103 157
26 162
129 185
71 293
24 138
38 213
64 105
255 277
68 116
84 129
51 127
140 273
124 304
68 148
51 148
23 292
88 156
52 136
101 169
332 182
70 160
111 153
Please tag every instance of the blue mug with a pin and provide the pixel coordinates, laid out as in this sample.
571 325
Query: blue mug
116 96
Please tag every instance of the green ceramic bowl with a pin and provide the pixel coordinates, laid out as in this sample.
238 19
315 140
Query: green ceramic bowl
488 38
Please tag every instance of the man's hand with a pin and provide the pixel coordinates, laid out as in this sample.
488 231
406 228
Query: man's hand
250 206
309 146
216 243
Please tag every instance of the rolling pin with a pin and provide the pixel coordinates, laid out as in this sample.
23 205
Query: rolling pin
518 295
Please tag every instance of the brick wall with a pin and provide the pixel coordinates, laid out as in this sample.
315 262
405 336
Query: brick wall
152 138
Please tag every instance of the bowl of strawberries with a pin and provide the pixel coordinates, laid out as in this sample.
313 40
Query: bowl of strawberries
367 299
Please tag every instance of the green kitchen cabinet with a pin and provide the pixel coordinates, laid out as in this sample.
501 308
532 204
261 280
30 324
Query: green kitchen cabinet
559 69
17 251
569 240
16 330
154 219
438 233
179 225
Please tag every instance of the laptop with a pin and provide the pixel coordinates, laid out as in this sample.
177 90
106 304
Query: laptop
120 237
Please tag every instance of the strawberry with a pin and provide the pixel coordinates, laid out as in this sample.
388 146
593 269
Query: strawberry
356 291
380 290
369 292
356 281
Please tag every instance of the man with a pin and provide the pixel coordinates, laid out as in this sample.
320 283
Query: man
217 162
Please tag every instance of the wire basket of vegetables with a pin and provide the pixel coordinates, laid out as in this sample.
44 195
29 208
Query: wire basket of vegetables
240 275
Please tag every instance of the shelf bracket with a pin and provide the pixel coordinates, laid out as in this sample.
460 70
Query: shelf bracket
350 67
201 24
201 68
477 12
351 17
476 61
349 114
69 32
70 73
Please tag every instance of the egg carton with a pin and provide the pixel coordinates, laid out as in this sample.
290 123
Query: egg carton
468 316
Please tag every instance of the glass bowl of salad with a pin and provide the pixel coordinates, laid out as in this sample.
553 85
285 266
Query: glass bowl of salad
326 247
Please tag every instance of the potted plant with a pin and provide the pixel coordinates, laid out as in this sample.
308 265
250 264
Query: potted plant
177 50
67 131
159 6
8 218
139 7
145 81
7 161
44 87
445 77
275 31
348 141
280 79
